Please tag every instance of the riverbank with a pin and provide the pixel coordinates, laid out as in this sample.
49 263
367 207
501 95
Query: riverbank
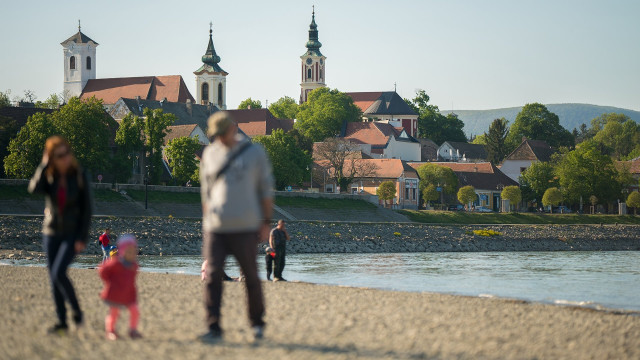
21 237
309 321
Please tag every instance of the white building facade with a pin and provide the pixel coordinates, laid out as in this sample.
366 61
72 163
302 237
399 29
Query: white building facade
312 63
211 79
79 63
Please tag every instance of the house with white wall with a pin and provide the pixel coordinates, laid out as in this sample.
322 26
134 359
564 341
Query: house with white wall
461 152
382 141
528 152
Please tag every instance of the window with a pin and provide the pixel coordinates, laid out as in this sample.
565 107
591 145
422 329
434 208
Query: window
72 63
220 94
320 74
205 94
309 73
88 62
329 188
406 194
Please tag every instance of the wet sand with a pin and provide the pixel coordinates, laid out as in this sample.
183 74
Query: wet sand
307 321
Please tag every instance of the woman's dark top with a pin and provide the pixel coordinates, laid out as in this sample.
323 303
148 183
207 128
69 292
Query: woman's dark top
66 212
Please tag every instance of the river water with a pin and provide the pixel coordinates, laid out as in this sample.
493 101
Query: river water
592 279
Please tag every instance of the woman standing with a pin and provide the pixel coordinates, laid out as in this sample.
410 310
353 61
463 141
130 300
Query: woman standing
66 221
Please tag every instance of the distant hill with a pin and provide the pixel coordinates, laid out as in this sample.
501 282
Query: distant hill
571 115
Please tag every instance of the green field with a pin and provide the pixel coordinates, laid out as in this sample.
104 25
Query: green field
10 192
461 217
322 203
166 197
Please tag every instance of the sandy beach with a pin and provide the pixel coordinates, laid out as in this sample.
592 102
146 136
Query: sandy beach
307 321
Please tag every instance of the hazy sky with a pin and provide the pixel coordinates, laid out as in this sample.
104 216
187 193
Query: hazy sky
465 54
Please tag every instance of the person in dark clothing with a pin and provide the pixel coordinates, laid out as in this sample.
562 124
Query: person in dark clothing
67 216
278 241
269 259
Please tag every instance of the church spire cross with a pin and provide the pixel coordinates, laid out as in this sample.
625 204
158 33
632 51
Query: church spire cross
210 27
78 25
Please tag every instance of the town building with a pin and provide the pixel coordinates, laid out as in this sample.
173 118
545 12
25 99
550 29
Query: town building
381 140
211 80
528 152
461 152
387 107
312 63
259 122
428 150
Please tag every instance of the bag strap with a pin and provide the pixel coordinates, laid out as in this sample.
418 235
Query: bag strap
233 156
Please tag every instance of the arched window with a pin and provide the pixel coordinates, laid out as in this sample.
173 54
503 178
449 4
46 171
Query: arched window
309 73
205 94
220 95
72 63
320 74
88 62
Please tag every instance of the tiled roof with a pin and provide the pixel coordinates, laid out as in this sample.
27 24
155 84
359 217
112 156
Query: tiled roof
381 103
22 114
380 168
78 38
256 122
482 167
532 150
171 87
470 151
369 133
179 131
482 176
197 115
632 165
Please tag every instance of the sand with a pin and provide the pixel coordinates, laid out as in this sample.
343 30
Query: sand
307 321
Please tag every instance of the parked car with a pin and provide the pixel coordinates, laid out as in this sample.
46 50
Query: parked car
482 209
455 207
562 209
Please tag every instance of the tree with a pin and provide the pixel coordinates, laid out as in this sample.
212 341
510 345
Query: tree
634 201
29 96
495 140
250 104
53 102
536 180
536 122
430 193
5 99
181 155
302 141
513 194
324 113
438 176
618 138
289 162
386 191
432 124
285 108
551 197
480 140
466 194
154 129
342 161
586 171
25 150
8 130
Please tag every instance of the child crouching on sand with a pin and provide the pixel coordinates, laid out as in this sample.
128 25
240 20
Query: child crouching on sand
119 277
269 258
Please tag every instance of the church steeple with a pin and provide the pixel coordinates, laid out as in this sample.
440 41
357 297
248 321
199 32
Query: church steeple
211 79
313 62
79 62
210 57
313 45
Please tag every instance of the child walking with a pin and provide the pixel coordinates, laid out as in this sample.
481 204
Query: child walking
119 277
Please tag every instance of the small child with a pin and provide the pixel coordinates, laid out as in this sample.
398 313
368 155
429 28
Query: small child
203 273
119 277
269 258
104 240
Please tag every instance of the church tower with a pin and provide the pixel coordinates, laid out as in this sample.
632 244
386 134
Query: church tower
313 62
79 62
211 80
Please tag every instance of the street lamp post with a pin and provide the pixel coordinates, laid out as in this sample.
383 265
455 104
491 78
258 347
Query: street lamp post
146 183
310 177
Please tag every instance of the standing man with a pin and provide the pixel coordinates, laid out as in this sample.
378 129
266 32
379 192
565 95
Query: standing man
237 199
278 241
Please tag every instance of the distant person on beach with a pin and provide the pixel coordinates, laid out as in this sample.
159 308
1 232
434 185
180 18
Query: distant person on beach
119 277
105 240
203 273
67 216
278 241
237 198
269 259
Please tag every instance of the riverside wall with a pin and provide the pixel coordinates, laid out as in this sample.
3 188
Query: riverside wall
21 237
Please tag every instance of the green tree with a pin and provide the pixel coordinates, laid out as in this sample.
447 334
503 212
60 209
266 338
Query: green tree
8 130
53 102
439 176
536 180
552 197
25 150
496 140
513 194
155 126
285 108
5 98
289 162
618 138
181 155
386 191
536 122
302 141
586 171
432 124
480 140
467 195
633 200
430 193
88 128
250 104
324 112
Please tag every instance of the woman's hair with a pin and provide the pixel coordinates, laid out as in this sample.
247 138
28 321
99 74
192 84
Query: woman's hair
51 145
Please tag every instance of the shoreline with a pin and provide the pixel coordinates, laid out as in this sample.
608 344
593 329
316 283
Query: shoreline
310 321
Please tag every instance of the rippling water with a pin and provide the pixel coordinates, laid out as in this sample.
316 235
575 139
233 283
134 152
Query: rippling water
607 279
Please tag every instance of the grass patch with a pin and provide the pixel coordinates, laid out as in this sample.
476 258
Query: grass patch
166 197
13 192
462 217
323 203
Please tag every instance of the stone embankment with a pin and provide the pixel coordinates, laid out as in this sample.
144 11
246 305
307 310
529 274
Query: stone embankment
20 237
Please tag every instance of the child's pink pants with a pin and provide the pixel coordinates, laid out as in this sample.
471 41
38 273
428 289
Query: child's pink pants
112 317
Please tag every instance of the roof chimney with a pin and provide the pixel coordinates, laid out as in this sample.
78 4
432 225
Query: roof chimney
189 107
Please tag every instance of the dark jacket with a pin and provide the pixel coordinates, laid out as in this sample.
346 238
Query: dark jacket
77 209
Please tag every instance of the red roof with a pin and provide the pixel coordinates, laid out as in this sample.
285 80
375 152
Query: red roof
373 133
380 168
171 87
178 131
256 122
364 100
481 167
632 165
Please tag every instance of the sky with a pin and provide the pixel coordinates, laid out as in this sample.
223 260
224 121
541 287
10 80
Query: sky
467 55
